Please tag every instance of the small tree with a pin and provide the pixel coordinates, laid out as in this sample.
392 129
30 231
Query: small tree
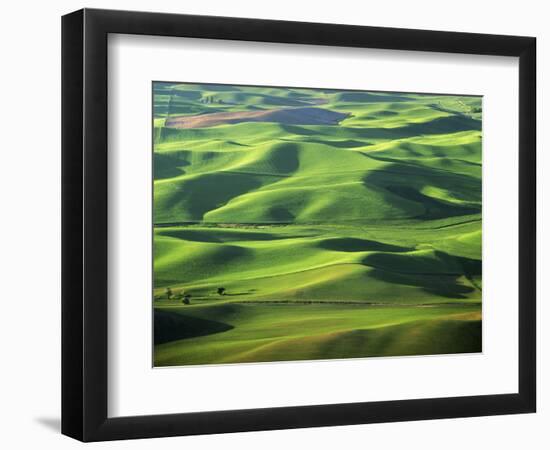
169 293
221 291
187 299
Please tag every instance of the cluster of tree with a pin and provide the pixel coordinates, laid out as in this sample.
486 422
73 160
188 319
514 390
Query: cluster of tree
210 99
182 295
185 297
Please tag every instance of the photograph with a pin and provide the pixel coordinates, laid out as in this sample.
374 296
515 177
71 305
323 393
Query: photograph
275 225
305 223
271 226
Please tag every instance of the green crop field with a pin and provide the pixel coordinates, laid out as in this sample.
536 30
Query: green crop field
301 224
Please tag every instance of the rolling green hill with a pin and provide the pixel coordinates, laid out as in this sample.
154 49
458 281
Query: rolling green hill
339 223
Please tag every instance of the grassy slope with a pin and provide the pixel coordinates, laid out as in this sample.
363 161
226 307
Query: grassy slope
384 208
268 332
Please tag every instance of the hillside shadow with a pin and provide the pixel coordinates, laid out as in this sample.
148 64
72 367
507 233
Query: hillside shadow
215 87
436 284
280 214
346 143
296 129
386 113
367 97
171 326
240 144
283 158
406 181
167 166
440 125
197 196
359 245
434 209
424 273
222 236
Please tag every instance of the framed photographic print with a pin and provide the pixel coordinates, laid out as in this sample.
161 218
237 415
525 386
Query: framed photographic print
274 224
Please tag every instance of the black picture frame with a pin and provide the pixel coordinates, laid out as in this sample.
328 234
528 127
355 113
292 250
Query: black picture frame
84 224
